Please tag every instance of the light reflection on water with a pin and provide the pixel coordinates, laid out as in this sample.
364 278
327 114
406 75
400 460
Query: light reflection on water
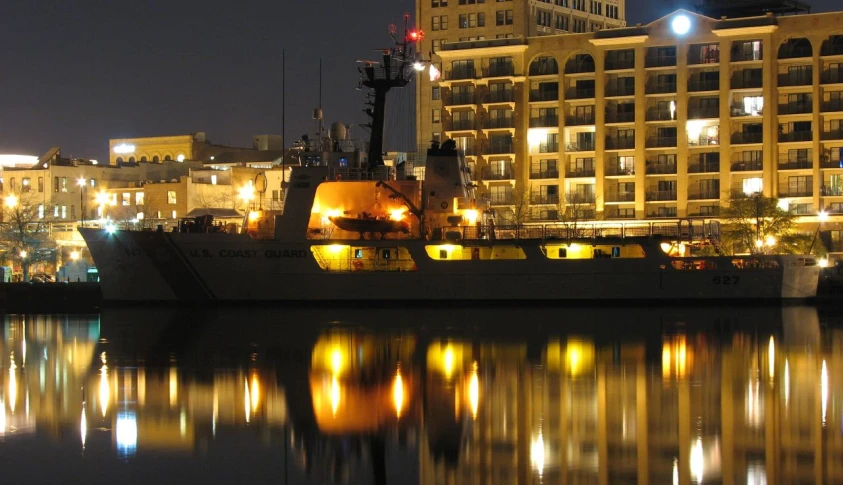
497 396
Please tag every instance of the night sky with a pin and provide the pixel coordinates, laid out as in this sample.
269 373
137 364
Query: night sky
74 73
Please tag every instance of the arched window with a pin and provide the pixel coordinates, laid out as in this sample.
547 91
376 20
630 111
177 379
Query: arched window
131 159
155 159
119 160
143 159
544 65
168 157
794 48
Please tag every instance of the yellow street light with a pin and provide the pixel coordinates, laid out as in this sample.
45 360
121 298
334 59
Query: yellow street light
11 201
74 255
822 216
81 181
23 254
102 197
770 241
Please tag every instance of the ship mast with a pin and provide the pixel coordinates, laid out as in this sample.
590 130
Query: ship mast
390 73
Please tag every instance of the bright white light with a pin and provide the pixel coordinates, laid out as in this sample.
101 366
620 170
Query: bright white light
180 158
537 454
681 24
109 228
418 66
23 254
770 241
697 460
536 136
81 181
822 216
126 432
83 427
14 160
783 204
74 255
124 148
824 390
771 357
434 73
823 262
474 391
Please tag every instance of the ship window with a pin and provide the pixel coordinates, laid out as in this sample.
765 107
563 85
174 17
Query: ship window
563 252
385 254
358 254
443 254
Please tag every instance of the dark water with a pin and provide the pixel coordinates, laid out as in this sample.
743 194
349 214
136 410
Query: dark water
420 396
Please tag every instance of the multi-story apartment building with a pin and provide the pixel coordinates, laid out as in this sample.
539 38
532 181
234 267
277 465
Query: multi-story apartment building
664 120
456 21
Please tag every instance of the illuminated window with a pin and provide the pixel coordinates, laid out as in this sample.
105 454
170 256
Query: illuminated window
171 197
213 180
752 185
139 198
64 184
126 198
436 115
25 185
174 214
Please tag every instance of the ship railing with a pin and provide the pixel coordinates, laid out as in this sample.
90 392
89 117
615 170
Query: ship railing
685 230
359 173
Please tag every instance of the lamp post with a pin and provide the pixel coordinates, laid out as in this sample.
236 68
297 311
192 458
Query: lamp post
82 182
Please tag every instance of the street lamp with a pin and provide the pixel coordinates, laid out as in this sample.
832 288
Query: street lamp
82 182
74 255
247 193
23 253
11 201
822 216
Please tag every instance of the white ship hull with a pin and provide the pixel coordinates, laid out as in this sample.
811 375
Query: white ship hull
158 266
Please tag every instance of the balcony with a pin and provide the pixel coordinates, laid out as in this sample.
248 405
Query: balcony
740 54
704 167
544 199
660 195
660 88
831 190
499 70
699 56
497 173
620 117
661 142
538 95
613 168
788 162
829 162
574 197
703 140
832 105
544 174
580 172
832 135
580 64
507 199
703 194
614 143
461 73
703 113
459 99
544 122
498 123
830 76
746 138
579 120
498 148
696 85
544 68
548 147
653 168
615 90
623 196
747 166
462 125
796 136
618 64
790 80
795 49
660 115
713 211
505 96
797 191
581 146
741 82
795 108
580 93
832 47
659 61
614 213
739 110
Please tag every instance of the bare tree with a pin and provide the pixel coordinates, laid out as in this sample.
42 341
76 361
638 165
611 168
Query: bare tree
140 215
25 236
520 209
208 198
577 207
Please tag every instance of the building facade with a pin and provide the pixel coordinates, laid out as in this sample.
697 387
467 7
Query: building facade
447 22
666 120
194 146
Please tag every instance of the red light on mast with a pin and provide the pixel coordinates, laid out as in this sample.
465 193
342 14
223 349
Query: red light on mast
415 36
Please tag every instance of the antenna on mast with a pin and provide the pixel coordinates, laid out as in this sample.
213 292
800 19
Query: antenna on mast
317 113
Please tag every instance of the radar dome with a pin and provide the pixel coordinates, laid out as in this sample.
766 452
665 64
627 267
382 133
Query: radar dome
338 131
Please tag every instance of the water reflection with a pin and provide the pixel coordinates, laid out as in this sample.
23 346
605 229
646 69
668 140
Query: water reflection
556 395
